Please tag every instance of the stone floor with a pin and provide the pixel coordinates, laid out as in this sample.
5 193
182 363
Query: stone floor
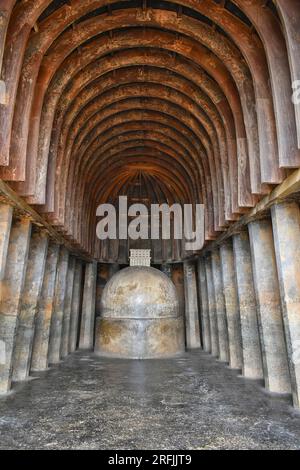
192 402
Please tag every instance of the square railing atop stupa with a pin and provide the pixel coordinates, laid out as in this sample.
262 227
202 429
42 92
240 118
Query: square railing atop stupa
140 258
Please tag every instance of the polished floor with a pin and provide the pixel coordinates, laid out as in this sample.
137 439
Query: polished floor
192 402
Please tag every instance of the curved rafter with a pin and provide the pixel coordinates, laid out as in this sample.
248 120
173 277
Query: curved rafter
185 94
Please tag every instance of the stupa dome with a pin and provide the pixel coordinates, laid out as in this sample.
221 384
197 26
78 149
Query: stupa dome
139 316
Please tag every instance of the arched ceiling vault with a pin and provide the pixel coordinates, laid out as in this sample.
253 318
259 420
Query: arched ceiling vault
191 98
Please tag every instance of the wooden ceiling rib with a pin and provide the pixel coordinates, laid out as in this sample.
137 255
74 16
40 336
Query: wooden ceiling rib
194 96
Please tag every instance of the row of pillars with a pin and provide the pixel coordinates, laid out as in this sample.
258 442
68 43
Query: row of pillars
47 300
249 301
241 301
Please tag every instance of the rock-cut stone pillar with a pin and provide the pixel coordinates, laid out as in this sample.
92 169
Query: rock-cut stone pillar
39 358
29 302
166 268
87 326
211 307
76 306
192 328
177 277
6 213
231 305
286 229
252 359
64 346
11 291
204 305
220 307
58 307
274 352
113 268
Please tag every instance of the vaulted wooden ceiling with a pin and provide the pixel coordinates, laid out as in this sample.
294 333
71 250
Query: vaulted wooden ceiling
194 94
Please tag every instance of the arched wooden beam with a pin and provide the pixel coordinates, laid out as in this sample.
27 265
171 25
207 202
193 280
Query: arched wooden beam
87 119
162 149
90 119
63 152
290 15
41 172
158 192
141 117
26 93
124 129
22 19
164 23
255 55
148 14
143 137
87 209
152 129
101 162
6 8
166 109
269 29
152 90
220 105
163 175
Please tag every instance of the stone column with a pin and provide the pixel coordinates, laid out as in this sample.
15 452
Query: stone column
192 328
177 278
252 360
204 305
39 358
113 268
220 307
64 346
274 353
286 229
58 307
28 306
231 305
6 213
103 275
211 308
167 270
11 290
76 306
87 327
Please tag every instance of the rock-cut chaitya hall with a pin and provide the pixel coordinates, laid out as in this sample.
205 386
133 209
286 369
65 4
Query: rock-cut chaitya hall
142 343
